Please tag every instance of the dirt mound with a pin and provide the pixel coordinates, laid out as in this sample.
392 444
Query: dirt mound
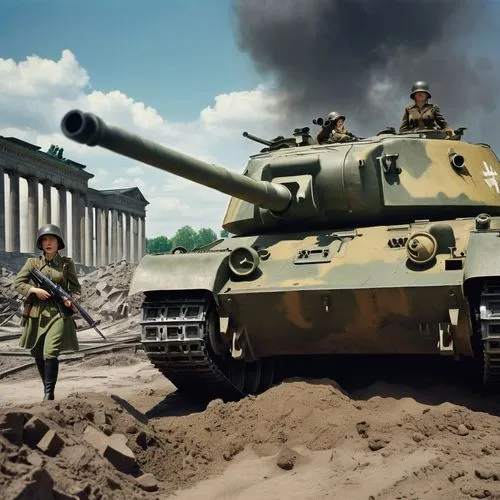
379 448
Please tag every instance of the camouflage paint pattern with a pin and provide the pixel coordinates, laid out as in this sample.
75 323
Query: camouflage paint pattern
334 227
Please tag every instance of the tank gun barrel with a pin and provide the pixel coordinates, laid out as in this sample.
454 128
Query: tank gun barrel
257 139
89 129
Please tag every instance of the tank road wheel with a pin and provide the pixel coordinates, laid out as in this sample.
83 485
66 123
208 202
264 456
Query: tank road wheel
253 377
247 377
266 374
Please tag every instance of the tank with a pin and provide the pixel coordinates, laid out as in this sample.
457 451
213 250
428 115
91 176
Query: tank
387 245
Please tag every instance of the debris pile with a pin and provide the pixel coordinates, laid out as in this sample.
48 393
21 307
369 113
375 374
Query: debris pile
10 300
105 291
104 294
71 451
90 445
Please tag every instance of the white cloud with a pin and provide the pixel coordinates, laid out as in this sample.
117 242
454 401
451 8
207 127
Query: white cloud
36 93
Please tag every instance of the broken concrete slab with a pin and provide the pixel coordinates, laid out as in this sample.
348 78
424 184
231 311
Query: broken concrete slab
34 430
51 443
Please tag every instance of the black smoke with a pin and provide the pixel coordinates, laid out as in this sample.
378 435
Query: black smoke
360 57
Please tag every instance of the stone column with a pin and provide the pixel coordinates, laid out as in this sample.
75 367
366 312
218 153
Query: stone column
135 237
143 236
63 211
114 230
75 223
15 222
46 206
128 256
89 250
2 210
32 212
104 236
98 236
120 236
81 226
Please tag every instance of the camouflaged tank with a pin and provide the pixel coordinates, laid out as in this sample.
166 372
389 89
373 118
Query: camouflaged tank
386 245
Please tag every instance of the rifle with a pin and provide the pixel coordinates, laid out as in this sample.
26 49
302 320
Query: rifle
61 295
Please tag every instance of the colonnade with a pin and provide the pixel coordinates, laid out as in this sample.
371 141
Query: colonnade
96 232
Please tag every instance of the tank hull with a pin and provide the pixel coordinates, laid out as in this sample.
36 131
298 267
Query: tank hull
352 292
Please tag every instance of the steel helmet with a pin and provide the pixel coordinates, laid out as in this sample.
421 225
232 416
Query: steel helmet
334 116
53 230
420 86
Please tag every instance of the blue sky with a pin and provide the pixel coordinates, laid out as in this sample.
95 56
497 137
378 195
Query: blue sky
174 54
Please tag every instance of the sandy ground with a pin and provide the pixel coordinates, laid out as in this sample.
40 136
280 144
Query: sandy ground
301 439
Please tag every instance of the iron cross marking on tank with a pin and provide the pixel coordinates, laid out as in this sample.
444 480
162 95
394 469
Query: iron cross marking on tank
490 177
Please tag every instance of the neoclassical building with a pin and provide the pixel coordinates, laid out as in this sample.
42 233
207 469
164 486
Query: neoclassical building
38 187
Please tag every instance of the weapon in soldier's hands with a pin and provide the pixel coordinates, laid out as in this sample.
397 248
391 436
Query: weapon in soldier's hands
61 295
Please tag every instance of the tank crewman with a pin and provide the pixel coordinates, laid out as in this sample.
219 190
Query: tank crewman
336 131
47 329
421 114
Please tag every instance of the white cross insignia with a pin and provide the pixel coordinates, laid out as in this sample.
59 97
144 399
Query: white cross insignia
490 177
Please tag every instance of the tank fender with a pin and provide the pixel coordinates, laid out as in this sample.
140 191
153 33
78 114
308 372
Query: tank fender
188 271
483 256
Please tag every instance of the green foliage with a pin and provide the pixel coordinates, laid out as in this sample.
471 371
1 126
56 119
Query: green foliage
185 237
161 244
206 236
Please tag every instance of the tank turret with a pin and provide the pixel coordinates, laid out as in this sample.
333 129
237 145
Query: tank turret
381 179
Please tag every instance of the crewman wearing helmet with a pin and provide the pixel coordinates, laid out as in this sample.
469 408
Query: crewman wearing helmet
421 114
335 131
48 329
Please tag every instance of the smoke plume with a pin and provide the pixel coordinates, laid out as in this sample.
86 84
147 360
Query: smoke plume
360 57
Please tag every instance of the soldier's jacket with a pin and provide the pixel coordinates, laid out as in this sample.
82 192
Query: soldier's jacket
61 270
344 136
427 117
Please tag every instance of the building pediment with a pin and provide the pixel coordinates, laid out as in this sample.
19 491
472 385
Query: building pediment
133 193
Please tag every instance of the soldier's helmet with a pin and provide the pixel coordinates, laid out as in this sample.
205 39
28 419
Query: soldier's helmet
420 86
334 116
53 230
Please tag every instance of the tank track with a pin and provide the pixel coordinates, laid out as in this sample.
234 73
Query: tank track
489 316
175 338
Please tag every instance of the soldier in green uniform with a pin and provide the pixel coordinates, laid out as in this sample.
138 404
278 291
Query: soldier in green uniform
47 329
421 114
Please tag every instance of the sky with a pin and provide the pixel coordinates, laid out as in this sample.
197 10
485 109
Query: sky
175 71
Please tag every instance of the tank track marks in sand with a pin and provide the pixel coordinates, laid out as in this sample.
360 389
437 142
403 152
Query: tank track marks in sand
489 315
176 339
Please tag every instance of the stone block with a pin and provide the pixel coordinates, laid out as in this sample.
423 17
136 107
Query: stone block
147 482
119 454
51 443
34 430
100 418
95 438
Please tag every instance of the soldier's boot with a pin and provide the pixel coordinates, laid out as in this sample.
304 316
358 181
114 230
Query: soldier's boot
51 372
40 364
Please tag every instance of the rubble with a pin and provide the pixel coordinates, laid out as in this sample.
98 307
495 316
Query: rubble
105 291
104 295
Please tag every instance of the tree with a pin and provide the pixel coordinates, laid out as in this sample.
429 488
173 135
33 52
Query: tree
206 236
161 244
185 237
224 233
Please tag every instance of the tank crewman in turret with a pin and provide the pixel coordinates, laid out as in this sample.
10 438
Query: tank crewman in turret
421 114
336 131
47 329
